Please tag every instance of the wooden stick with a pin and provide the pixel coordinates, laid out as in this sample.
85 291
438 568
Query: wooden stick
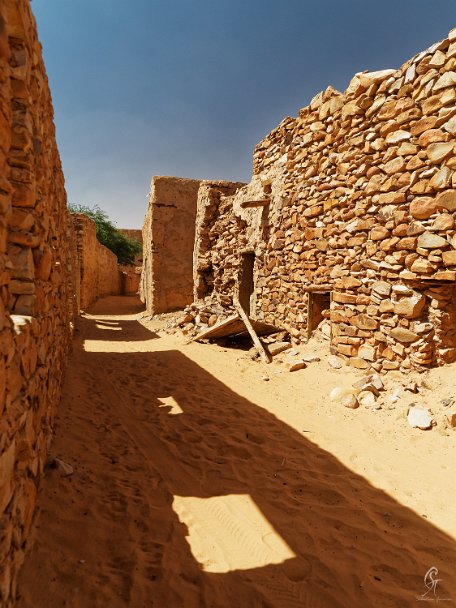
260 348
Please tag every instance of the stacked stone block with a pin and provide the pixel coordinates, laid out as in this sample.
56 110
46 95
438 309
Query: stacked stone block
361 202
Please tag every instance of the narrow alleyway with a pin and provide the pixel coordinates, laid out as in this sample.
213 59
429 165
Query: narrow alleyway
187 494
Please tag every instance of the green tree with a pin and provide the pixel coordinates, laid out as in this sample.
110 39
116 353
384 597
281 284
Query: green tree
125 248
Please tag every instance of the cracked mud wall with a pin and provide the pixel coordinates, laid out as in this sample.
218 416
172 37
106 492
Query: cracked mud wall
37 282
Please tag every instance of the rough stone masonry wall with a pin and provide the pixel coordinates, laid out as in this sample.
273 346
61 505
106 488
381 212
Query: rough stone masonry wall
99 273
168 236
213 275
35 266
361 201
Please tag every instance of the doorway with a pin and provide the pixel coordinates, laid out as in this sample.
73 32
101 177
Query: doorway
246 282
318 302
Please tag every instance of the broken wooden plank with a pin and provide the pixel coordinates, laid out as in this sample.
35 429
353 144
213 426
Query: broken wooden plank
259 203
265 357
235 326
231 326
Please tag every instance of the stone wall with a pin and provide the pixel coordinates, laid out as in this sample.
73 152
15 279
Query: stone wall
353 203
99 273
168 236
213 220
36 290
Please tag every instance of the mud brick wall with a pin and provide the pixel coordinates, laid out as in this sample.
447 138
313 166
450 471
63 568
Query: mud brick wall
99 273
36 290
168 236
356 198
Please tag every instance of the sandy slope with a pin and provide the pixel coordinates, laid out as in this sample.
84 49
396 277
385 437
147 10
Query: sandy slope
198 484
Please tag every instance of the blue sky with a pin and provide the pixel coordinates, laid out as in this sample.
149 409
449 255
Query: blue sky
188 87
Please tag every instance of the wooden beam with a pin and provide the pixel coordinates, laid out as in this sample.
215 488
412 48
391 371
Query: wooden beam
323 287
260 203
265 357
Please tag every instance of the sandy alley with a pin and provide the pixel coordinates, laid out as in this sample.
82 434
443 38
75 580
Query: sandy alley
196 483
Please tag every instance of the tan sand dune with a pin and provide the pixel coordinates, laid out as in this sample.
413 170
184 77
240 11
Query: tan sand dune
197 484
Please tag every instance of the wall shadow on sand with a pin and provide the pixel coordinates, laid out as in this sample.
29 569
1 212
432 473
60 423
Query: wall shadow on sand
353 544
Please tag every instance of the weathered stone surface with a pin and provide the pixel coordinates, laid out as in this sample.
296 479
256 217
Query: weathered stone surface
411 308
367 352
446 200
429 240
366 398
423 207
403 335
335 362
381 288
422 266
278 347
420 418
439 151
295 365
449 258
350 401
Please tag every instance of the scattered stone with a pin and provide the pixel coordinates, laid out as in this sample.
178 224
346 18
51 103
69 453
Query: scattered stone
310 358
412 387
294 366
420 418
63 466
451 417
335 362
396 394
277 347
366 398
350 401
188 318
338 393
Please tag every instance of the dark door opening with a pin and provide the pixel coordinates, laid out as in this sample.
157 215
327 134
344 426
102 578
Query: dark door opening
318 302
246 282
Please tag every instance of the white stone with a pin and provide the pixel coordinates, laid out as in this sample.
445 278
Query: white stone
335 362
420 418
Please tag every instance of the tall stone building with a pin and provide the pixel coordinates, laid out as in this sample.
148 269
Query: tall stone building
349 217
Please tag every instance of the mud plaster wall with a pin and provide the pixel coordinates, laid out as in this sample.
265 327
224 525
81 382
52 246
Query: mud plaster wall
361 191
131 274
36 293
99 273
168 236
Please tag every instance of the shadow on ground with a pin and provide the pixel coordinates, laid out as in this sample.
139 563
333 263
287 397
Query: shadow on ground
349 544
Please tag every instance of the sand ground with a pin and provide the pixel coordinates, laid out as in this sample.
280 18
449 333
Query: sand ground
197 483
